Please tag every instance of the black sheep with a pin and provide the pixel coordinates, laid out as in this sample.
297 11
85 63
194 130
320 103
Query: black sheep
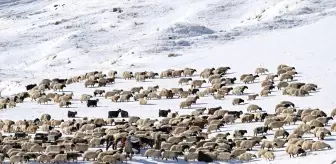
261 129
124 113
164 113
236 114
164 129
202 157
73 156
20 135
72 114
113 114
67 104
263 116
92 103
110 80
30 86
211 111
230 80
61 81
194 91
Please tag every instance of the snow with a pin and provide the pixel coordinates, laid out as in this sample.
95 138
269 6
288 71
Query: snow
39 41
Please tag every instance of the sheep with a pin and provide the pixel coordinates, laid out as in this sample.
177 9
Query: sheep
191 156
242 77
246 157
286 77
53 148
308 118
197 83
184 104
11 104
115 98
320 135
307 145
267 144
111 93
90 83
81 147
218 96
143 101
248 144
282 84
98 92
261 153
324 120
308 88
261 130
279 143
276 124
125 97
64 103
252 96
184 81
85 97
239 133
43 100
127 75
319 145
260 70
253 108
91 155
237 101
153 95
237 152
316 123
223 156
229 118
269 156
171 154
213 127
239 90
265 92
151 75
16 159
281 133
59 87
152 153
247 118
44 158
60 158
250 79
140 78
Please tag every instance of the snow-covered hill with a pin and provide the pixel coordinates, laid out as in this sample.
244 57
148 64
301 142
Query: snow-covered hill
48 38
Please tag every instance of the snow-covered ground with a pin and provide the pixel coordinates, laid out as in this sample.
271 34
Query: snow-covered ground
39 40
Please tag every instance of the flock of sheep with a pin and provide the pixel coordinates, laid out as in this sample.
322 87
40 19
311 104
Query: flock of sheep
191 135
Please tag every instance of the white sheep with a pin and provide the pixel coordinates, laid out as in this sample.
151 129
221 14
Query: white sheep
153 153
53 148
140 78
269 156
44 158
260 70
60 158
191 156
319 145
246 157
85 97
16 159
143 101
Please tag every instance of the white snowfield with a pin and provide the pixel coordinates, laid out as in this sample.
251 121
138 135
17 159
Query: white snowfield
41 40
